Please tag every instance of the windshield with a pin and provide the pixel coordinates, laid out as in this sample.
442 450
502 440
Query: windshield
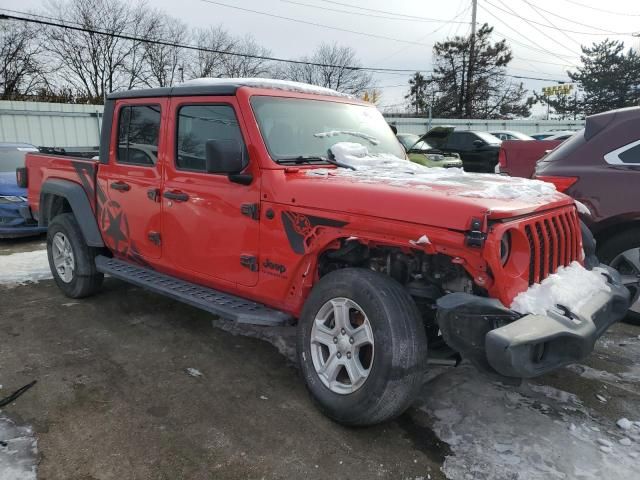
487 137
10 159
295 127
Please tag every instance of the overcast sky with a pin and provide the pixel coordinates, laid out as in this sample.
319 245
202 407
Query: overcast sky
409 32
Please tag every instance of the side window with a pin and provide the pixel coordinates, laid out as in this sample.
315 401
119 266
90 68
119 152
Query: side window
454 140
138 134
196 125
631 155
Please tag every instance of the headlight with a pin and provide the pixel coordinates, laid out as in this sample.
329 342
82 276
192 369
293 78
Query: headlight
11 199
505 248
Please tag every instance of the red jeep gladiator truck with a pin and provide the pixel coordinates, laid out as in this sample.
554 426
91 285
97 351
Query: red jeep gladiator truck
278 203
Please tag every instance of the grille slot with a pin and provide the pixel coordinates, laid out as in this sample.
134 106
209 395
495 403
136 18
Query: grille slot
553 242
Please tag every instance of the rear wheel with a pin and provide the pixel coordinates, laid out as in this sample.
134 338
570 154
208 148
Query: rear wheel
71 260
622 252
361 347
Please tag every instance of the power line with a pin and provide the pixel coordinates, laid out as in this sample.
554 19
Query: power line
305 22
522 35
555 28
603 10
581 24
544 17
532 25
394 71
358 7
361 14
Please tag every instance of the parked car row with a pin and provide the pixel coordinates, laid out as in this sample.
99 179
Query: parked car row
15 216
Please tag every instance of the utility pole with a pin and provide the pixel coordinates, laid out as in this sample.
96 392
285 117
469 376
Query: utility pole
472 52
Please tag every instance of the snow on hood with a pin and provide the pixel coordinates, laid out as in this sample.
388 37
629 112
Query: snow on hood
389 169
285 85
9 186
570 287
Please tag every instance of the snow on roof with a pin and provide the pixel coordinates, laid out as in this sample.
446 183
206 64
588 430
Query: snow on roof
266 83
394 171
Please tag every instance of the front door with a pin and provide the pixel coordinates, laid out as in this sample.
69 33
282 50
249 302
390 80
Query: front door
208 228
130 216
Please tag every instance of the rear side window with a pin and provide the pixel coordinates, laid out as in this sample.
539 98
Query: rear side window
567 148
138 134
626 155
198 124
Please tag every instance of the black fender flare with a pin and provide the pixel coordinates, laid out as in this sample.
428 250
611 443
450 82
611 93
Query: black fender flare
80 206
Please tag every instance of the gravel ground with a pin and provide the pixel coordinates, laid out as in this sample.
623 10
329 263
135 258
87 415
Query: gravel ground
116 399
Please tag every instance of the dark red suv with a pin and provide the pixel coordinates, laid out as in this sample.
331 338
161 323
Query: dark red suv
600 167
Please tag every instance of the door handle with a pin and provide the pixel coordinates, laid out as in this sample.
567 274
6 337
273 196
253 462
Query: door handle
176 196
121 186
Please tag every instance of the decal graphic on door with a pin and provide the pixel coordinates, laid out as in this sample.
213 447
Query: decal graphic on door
300 228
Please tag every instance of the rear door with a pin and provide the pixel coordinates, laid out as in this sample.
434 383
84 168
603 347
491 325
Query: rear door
130 217
210 224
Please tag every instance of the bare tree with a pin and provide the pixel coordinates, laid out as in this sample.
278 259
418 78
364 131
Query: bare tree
339 70
210 63
20 65
166 62
92 63
246 66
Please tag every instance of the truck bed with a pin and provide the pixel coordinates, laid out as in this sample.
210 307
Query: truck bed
74 167
518 158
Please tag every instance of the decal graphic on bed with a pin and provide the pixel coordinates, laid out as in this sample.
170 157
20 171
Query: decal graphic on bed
300 227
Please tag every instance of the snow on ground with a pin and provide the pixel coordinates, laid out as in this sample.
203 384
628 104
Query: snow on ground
19 268
18 457
400 172
571 287
502 432
528 432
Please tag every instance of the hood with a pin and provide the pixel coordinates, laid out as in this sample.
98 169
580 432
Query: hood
439 133
9 185
446 198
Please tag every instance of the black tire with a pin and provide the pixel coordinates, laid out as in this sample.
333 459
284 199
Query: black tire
398 365
613 246
86 280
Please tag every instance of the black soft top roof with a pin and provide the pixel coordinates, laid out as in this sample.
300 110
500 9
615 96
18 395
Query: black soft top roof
178 91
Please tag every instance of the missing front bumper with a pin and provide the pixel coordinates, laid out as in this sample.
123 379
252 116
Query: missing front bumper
503 341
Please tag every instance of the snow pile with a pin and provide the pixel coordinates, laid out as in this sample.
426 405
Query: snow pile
19 268
285 85
571 287
529 432
582 208
394 171
18 458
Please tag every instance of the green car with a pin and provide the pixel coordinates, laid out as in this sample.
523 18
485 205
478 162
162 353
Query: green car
421 152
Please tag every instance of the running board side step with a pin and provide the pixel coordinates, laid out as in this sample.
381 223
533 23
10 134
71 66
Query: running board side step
222 304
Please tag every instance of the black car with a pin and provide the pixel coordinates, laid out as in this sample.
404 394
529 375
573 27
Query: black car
478 150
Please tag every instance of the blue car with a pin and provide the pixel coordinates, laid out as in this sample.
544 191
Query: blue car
15 216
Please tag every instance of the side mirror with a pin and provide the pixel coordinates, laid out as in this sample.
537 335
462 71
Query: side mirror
225 156
478 143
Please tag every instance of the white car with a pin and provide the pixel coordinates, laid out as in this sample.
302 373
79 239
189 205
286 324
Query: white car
554 135
510 135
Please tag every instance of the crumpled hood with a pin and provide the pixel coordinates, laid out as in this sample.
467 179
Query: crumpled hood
9 186
397 189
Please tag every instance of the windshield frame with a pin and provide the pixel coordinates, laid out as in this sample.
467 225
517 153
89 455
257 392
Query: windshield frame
382 130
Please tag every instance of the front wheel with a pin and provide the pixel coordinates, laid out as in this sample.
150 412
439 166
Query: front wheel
361 347
71 260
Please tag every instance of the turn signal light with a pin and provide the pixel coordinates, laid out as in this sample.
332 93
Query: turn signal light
562 183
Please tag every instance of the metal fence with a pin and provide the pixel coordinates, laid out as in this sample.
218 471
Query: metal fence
50 124
66 125
420 125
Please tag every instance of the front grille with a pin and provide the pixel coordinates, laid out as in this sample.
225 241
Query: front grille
553 242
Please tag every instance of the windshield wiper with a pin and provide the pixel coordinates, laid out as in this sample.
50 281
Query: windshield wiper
313 159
